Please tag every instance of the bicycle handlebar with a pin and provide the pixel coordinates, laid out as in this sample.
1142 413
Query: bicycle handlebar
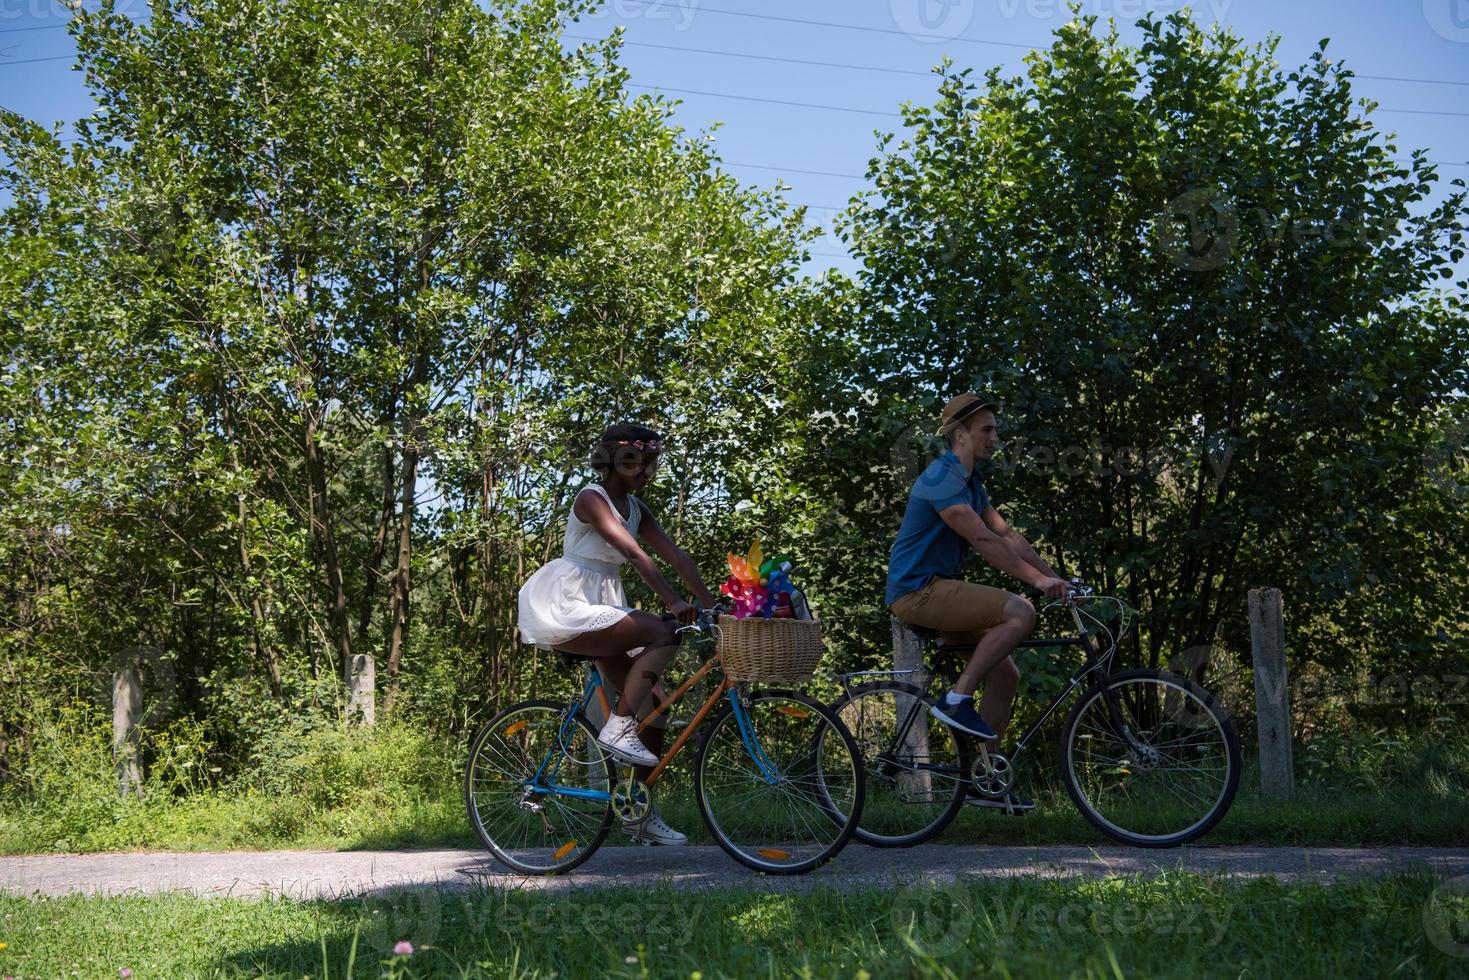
703 619
1075 589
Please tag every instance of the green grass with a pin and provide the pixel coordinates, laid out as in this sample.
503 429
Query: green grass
1184 926
1317 816
399 788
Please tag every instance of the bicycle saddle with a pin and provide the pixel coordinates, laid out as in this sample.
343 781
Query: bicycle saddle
569 659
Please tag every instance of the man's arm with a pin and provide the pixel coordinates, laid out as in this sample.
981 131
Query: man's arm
992 548
1015 540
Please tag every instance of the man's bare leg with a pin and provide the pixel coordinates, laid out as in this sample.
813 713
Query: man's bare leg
991 654
1000 685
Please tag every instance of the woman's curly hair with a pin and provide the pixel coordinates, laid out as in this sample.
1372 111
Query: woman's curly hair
625 447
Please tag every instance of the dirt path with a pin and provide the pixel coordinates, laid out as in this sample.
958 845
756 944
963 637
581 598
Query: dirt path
314 874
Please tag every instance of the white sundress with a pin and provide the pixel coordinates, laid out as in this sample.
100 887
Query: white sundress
582 590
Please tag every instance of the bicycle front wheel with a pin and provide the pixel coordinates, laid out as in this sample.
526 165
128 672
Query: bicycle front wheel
1163 777
779 782
536 787
917 768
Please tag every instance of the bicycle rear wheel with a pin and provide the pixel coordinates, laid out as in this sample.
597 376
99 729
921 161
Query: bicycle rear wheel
1172 781
525 769
915 785
779 782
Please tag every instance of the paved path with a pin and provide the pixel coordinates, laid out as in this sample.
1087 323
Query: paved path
314 874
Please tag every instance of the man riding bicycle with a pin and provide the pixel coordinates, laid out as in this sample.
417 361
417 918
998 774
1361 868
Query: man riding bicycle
949 513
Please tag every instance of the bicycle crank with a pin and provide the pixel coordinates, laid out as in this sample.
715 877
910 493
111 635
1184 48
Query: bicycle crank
631 800
992 775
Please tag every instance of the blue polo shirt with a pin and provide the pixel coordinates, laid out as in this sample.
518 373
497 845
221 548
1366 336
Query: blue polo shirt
926 546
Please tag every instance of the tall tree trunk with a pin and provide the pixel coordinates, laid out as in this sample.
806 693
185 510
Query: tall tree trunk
325 534
379 544
256 643
398 607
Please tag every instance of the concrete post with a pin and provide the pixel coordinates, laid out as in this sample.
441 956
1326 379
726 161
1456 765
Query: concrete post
1272 693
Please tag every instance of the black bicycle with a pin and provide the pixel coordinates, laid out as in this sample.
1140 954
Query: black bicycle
1147 756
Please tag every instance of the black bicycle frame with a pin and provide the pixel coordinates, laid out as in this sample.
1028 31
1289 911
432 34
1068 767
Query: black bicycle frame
1094 659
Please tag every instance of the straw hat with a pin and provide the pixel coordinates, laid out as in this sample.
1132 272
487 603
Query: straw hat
962 407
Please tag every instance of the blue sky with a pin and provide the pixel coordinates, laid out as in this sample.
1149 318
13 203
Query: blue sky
672 46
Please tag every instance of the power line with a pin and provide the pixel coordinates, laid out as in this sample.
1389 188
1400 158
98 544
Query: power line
792 170
852 27
764 57
1424 112
837 64
904 71
882 112
752 98
44 27
1401 78
32 61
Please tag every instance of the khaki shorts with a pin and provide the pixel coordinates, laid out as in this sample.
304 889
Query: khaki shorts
961 611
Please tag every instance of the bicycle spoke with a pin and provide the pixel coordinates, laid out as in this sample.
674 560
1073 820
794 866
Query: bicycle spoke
537 831
792 819
1162 780
910 796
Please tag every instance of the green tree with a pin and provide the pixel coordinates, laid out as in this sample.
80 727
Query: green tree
308 335
1214 303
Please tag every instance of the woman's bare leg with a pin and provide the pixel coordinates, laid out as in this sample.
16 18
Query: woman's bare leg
610 645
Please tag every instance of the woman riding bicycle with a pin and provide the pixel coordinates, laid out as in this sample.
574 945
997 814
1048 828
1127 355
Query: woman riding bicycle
576 603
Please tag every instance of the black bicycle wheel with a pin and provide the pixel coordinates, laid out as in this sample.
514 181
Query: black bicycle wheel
789 800
1168 784
535 831
916 787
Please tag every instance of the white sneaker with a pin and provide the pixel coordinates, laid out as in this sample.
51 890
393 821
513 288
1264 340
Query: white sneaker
619 737
652 830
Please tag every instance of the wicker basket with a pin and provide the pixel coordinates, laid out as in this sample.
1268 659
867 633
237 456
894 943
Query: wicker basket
769 651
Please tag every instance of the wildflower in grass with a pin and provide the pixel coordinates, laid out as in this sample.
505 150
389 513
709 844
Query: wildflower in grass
125 972
404 948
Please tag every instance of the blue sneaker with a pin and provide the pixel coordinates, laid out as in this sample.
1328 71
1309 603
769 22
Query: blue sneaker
962 716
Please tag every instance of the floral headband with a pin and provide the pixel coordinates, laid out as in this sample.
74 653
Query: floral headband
651 445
